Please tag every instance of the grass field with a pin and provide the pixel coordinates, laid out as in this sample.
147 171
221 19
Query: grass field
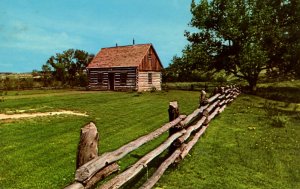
242 148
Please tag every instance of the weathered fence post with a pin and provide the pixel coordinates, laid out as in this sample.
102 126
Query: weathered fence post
173 110
88 144
87 150
173 114
203 100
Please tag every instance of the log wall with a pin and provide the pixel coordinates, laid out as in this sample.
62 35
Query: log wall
99 78
150 61
143 81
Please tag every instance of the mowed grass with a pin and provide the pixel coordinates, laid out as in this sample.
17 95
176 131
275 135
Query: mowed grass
41 152
241 148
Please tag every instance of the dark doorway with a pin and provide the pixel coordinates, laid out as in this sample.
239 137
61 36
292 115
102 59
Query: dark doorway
111 81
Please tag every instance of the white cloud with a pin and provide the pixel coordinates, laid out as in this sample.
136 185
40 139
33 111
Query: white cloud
19 35
38 29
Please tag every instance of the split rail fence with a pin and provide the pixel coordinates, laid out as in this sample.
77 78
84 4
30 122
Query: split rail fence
92 168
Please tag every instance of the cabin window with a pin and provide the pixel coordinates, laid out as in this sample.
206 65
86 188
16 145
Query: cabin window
100 78
123 78
149 78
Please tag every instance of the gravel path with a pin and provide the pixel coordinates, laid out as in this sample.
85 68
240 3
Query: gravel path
30 115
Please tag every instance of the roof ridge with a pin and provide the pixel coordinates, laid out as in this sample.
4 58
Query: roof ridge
128 56
128 45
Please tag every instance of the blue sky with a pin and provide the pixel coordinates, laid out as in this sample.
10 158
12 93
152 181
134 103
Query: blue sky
33 30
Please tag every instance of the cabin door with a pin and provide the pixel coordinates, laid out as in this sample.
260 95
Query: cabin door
111 81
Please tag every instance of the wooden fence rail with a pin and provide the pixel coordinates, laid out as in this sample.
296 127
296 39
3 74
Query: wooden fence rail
99 167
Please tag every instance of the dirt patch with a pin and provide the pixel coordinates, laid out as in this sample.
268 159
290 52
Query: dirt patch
30 115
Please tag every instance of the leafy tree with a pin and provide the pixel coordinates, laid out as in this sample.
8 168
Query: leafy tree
46 75
68 67
8 83
284 50
189 67
244 37
35 73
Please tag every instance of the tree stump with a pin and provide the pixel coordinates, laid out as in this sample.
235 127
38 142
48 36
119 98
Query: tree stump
88 144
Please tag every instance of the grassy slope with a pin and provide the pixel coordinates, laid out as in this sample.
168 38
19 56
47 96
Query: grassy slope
41 152
242 150
239 150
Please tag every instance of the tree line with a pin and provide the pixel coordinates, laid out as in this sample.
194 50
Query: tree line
67 67
242 37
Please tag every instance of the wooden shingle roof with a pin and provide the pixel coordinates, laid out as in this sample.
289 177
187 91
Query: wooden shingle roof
120 56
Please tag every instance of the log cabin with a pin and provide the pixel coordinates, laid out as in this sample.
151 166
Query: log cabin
126 68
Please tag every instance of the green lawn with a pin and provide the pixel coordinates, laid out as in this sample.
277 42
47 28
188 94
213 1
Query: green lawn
41 152
241 148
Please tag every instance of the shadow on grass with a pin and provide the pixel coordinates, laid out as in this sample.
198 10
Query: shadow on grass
146 173
284 94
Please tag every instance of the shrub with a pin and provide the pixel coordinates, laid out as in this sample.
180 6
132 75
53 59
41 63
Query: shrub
8 84
1 95
270 108
279 121
153 89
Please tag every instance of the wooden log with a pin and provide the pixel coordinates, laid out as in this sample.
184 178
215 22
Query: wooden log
190 118
228 96
221 97
222 108
222 103
173 114
75 185
227 91
88 144
103 173
212 115
161 169
189 131
205 113
190 145
90 168
173 110
203 99
211 107
131 172
213 98
227 101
